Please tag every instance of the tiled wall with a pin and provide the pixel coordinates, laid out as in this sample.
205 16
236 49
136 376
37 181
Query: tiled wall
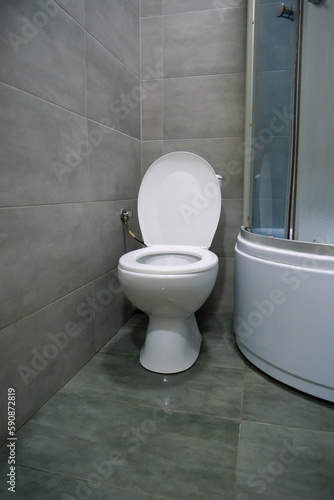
193 73
70 160
75 103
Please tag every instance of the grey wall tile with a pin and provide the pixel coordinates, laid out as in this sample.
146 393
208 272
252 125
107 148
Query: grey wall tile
206 106
47 249
47 61
116 25
135 5
203 43
151 48
178 6
152 114
74 8
224 155
222 296
109 238
113 308
43 351
151 8
228 228
46 163
150 151
114 165
113 92
45 255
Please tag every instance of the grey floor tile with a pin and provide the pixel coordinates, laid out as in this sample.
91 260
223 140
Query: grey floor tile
216 323
147 450
203 389
269 401
40 353
221 351
127 342
218 346
34 484
277 462
139 319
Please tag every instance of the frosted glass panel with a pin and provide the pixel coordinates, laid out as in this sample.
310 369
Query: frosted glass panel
273 81
315 171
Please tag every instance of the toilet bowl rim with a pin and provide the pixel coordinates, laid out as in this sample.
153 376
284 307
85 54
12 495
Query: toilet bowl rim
207 260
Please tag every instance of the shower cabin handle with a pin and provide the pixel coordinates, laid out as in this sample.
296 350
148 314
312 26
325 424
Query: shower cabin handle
285 11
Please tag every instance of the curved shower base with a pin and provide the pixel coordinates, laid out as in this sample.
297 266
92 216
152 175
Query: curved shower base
284 310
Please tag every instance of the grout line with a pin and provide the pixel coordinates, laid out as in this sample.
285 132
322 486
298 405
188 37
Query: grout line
132 7
194 11
146 405
108 486
181 139
239 435
68 203
69 15
85 117
286 426
163 81
113 55
91 283
206 75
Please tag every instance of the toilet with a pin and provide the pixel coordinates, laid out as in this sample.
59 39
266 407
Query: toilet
179 205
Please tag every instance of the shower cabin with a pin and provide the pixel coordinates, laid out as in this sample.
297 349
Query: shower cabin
284 255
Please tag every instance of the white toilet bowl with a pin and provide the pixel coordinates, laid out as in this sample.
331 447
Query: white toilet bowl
178 208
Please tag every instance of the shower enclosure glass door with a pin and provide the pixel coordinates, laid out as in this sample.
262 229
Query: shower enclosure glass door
272 43
315 169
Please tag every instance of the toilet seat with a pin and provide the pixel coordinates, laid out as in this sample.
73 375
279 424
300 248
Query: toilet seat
199 260
179 201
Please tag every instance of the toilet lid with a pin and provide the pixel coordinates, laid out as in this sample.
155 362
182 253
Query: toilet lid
179 201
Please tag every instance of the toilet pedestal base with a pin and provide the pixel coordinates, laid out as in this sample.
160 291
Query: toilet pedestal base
172 345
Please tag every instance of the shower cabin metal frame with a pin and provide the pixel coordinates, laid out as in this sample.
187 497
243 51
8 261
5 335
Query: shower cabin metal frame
249 114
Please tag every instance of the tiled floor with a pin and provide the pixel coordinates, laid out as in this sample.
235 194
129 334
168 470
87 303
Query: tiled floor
221 430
